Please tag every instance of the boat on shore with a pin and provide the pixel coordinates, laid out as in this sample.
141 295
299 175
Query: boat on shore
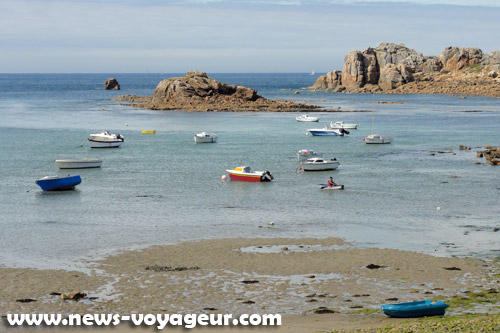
205 137
79 164
305 154
306 118
415 309
56 183
244 173
326 131
319 164
341 124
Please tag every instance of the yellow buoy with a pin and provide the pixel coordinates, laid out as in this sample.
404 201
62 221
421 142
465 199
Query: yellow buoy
148 132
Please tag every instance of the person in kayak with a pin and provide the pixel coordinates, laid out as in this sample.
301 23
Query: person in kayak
331 183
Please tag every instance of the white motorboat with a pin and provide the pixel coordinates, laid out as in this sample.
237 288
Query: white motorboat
306 118
105 139
205 137
377 138
79 164
305 154
326 131
341 124
106 135
319 164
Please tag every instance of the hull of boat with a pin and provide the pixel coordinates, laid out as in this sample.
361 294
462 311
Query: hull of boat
314 120
320 167
79 164
415 309
378 140
58 183
212 139
343 126
105 143
326 187
324 132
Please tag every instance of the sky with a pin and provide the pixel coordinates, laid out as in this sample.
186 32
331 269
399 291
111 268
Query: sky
229 36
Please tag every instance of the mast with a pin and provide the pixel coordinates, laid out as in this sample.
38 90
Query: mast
373 111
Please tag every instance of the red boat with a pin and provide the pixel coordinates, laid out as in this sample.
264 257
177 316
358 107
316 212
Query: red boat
244 173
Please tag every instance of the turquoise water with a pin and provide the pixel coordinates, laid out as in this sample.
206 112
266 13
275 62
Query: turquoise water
162 188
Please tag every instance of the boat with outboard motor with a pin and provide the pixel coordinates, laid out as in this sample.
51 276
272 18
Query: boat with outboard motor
245 174
105 139
305 154
205 137
319 164
327 131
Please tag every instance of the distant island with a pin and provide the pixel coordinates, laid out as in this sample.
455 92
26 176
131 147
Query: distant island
198 92
395 69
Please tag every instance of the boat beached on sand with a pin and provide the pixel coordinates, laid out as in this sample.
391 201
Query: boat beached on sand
415 309
55 183
105 139
79 164
244 173
319 164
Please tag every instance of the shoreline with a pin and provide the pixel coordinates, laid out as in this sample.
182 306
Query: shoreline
292 277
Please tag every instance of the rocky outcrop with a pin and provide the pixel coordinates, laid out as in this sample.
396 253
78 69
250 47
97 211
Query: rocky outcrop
394 68
455 58
111 84
198 92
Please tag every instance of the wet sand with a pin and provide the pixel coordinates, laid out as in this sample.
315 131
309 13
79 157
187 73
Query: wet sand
292 277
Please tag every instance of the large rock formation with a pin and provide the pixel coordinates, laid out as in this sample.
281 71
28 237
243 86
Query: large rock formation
394 68
198 92
111 84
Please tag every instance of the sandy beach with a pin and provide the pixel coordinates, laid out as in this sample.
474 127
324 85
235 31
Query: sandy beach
291 277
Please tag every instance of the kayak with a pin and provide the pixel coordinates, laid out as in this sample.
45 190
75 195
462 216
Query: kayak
415 309
326 187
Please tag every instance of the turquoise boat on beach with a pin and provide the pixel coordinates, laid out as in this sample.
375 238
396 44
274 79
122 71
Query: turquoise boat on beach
415 309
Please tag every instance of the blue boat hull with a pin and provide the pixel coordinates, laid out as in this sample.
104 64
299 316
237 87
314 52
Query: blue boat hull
415 309
58 183
325 133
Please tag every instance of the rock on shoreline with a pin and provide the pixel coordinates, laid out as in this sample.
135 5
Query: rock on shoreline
395 69
198 92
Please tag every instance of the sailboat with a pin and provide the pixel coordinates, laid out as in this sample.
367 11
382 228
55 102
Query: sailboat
376 138
312 73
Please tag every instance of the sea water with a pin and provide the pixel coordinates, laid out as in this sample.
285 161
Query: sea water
162 188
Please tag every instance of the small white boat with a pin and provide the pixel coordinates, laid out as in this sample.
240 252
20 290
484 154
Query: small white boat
305 154
205 137
306 118
106 135
79 164
319 164
105 139
312 73
326 131
341 124
377 138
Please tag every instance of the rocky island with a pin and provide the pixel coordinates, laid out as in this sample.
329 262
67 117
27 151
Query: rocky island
198 92
395 69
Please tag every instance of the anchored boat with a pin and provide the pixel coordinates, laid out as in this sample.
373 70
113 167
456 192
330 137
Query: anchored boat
105 139
79 164
55 183
205 137
244 173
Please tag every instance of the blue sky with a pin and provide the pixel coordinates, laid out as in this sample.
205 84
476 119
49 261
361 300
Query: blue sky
134 36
